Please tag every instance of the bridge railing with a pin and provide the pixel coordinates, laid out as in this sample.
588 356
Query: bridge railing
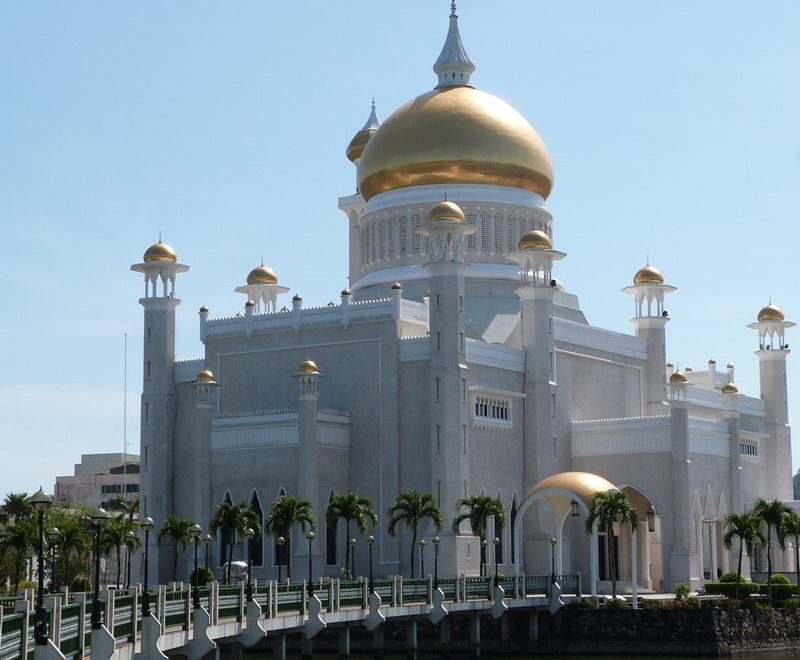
70 613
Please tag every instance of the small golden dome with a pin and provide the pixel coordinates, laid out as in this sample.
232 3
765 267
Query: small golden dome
730 388
250 303
396 286
262 275
204 308
206 376
648 275
678 377
346 292
455 135
770 313
360 139
160 252
446 212
308 366
297 298
731 365
712 361
670 365
535 240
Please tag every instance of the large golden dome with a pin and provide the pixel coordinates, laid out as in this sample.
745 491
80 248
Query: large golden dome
454 135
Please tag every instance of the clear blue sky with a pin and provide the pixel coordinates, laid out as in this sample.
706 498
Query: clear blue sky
673 128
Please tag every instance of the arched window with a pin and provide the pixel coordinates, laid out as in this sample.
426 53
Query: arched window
256 545
331 556
512 520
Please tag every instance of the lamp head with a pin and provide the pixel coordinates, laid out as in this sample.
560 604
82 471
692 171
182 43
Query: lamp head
54 534
370 539
352 541
435 540
41 501
553 541
207 539
99 517
249 533
280 540
147 524
195 531
310 536
130 535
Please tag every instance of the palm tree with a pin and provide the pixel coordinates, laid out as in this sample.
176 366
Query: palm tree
232 518
479 508
178 529
285 513
127 508
351 508
113 538
16 507
410 508
75 540
770 514
747 528
791 529
606 509
18 539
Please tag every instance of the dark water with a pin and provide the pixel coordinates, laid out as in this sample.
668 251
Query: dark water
761 655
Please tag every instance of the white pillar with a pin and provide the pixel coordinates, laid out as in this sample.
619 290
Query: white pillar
648 583
712 532
698 526
634 572
594 560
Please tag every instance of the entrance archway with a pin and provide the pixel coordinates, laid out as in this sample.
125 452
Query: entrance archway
563 493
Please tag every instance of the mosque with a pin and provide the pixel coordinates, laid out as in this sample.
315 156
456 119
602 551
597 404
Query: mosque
457 364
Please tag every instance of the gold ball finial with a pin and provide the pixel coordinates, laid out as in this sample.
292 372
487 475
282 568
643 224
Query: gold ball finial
648 275
730 388
297 298
446 212
770 313
204 309
535 240
206 376
262 275
308 366
678 377
160 252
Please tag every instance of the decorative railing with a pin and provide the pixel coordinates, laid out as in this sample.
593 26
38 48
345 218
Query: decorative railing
69 615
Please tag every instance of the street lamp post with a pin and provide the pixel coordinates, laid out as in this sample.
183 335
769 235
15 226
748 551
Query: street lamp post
130 538
147 525
310 537
249 534
435 562
496 546
352 559
41 501
422 558
99 518
280 541
371 540
553 542
483 557
54 534
196 532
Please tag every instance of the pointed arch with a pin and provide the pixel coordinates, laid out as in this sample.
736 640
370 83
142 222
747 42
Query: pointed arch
256 545
224 534
710 510
512 519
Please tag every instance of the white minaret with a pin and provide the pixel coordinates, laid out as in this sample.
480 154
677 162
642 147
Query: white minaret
205 397
680 516
262 288
650 320
308 376
772 352
160 267
449 416
535 256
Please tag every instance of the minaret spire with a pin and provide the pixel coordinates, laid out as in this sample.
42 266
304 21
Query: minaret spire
453 66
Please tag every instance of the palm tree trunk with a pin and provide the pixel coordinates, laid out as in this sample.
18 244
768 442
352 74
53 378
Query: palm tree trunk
288 551
797 561
66 568
612 560
230 559
413 546
739 570
175 563
347 548
769 564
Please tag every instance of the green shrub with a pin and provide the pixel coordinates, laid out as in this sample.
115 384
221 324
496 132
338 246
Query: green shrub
205 575
693 602
80 583
728 589
589 604
780 591
681 590
731 576
791 603
616 603
779 578
27 584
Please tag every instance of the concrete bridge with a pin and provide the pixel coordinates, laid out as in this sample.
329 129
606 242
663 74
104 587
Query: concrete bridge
277 611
